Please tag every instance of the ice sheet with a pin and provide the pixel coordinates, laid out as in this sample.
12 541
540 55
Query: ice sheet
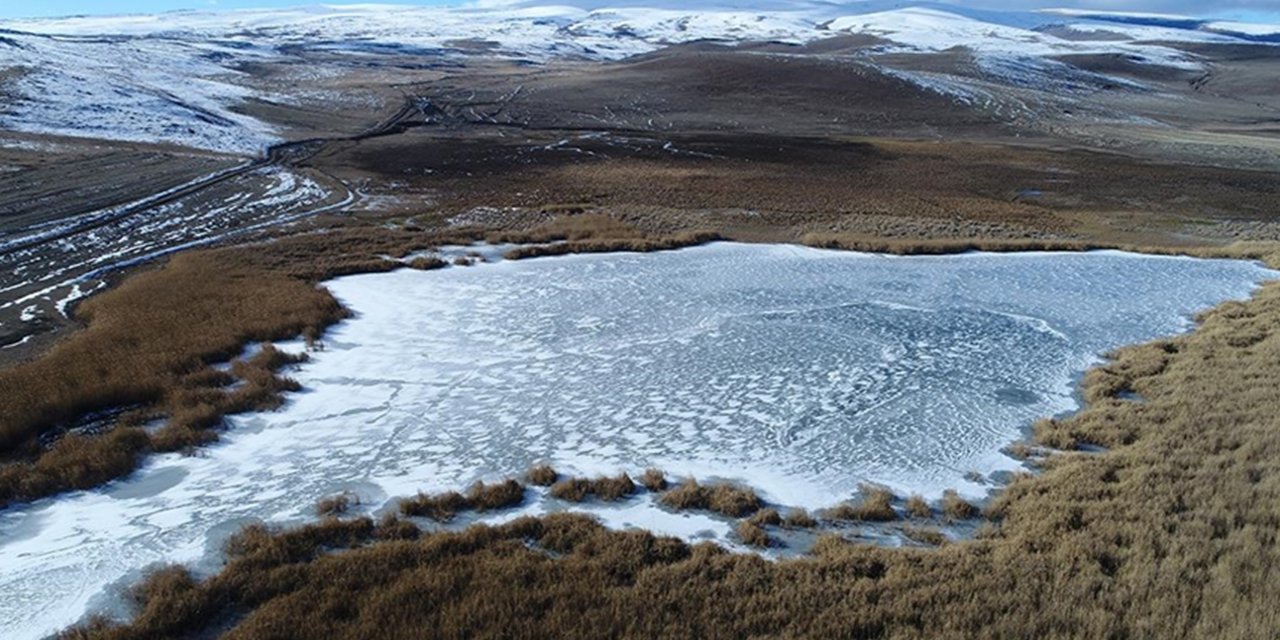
799 371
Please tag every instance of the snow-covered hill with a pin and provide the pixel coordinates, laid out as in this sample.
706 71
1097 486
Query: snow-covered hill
175 77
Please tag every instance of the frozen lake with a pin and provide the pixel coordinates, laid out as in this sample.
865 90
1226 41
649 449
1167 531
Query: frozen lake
801 372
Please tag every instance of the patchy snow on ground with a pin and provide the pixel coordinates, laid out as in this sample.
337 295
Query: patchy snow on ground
176 78
799 371
138 90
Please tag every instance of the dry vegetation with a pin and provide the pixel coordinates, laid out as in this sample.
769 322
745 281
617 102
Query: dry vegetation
917 507
956 508
542 475
726 499
927 536
752 534
335 505
602 488
876 505
443 507
799 519
654 480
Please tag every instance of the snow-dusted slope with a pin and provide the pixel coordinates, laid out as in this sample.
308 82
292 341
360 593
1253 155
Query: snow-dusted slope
171 77
142 90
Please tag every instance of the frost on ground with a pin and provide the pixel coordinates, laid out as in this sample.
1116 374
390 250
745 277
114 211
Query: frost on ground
59 272
181 77
801 372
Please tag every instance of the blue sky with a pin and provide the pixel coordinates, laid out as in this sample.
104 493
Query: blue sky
1257 10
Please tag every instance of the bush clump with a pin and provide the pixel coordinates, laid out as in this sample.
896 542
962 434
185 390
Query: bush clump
728 499
766 516
427 263
335 505
876 506
956 508
654 480
922 535
800 519
542 475
753 534
917 507
500 495
605 488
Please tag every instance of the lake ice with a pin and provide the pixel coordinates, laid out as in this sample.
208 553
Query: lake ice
801 372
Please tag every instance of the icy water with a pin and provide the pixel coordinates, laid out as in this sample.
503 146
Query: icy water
799 371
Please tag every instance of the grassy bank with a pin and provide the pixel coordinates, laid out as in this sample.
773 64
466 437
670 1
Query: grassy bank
1171 532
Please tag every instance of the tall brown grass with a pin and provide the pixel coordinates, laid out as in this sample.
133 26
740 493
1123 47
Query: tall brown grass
654 480
956 508
724 498
875 505
542 475
444 506
604 488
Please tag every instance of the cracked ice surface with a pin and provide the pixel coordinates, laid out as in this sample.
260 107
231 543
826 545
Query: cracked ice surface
799 371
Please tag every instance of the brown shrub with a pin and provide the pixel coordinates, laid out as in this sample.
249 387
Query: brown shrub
542 475
956 508
924 536
571 489
752 534
427 263
800 519
767 516
917 507
728 499
654 480
500 495
876 505
391 527
604 487
334 505
441 507
615 488
1053 434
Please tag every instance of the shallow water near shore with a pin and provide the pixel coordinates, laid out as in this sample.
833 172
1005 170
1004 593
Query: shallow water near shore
800 372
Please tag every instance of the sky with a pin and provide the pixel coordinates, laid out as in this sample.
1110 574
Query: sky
1251 10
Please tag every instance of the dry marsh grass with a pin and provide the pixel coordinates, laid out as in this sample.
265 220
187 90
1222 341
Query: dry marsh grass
543 475
654 480
723 498
917 507
767 516
201 311
956 508
444 506
335 505
753 534
608 489
799 519
923 535
875 505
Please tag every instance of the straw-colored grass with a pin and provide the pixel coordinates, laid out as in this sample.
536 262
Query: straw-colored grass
724 498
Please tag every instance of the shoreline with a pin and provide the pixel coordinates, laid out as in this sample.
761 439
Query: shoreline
1078 388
